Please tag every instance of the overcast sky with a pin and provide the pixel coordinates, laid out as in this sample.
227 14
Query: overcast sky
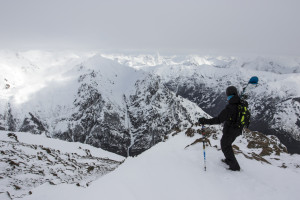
221 26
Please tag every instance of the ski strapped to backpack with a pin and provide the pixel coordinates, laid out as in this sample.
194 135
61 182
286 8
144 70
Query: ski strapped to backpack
243 117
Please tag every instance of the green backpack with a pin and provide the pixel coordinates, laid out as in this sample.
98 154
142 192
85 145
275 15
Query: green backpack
243 118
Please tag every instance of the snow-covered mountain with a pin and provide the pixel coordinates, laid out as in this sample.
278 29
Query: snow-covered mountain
103 103
203 80
128 103
142 106
174 169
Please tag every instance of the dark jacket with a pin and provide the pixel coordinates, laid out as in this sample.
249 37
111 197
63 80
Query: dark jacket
228 115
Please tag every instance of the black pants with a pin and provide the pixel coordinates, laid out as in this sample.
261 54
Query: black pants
226 141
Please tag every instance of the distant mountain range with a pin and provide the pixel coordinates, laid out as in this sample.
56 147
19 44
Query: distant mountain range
275 102
127 103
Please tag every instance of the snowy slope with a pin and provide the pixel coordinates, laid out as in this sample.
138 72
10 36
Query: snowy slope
28 161
169 170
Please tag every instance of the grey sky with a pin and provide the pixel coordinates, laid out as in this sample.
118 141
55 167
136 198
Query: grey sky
221 26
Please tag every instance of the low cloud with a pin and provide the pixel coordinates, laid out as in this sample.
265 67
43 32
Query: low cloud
216 26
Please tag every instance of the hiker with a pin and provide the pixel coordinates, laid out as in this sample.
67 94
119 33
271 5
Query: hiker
230 132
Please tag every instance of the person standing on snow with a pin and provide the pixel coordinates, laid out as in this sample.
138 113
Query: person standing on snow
230 132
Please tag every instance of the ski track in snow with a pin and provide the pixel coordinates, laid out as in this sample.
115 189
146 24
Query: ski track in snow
168 171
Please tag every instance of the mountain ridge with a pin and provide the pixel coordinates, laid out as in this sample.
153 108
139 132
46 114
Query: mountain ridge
203 80
105 104
97 88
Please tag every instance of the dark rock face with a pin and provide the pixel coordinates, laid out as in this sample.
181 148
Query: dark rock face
140 121
33 125
110 135
298 123
9 119
95 121
154 111
2 125
210 100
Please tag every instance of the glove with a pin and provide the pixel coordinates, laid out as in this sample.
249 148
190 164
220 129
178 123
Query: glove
202 120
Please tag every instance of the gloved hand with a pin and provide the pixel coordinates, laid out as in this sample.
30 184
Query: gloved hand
202 120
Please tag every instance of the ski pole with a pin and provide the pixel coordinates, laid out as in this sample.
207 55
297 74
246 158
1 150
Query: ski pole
203 136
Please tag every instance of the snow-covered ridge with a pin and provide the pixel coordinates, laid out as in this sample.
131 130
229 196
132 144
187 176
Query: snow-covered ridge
103 103
28 161
279 65
171 170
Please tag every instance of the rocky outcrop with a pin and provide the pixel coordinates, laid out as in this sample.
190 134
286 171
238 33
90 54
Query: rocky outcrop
95 120
25 166
155 111
33 125
252 145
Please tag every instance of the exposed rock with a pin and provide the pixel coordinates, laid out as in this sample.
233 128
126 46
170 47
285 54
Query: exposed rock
268 144
190 132
33 125
259 158
283 166
254 141
235 147
266 151
203 140
13 136
25 166
10 119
